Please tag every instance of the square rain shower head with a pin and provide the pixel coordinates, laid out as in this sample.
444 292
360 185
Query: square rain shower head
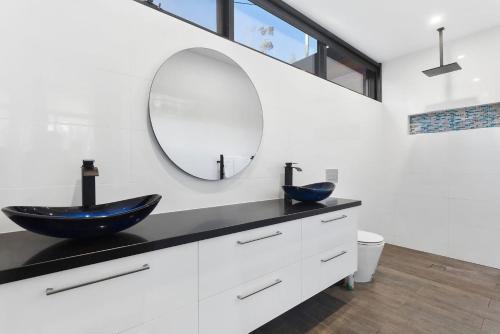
442 69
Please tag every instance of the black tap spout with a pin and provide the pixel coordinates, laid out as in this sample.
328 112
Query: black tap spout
289 172
89 173
289 175
222 167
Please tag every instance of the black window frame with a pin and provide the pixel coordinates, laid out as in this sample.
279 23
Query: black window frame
325 39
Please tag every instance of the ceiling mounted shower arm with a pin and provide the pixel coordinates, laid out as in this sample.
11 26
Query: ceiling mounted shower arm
442 69
441 52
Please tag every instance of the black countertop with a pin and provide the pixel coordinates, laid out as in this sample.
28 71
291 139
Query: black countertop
25 254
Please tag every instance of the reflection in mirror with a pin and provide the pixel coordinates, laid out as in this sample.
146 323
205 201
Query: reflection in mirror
206 114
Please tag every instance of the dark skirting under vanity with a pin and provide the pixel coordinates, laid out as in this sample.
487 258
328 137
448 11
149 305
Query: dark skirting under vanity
25 254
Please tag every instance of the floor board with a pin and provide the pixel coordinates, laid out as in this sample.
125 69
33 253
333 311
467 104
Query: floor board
412 293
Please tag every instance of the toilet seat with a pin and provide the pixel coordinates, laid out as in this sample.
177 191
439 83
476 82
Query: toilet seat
369 239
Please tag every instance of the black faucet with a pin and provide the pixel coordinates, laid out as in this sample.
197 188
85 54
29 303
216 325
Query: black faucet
89 172
222 167
289 172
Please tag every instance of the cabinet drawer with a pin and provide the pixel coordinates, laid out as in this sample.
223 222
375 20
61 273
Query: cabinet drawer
103 298
231 260
181 321
323 232
249 306
325 269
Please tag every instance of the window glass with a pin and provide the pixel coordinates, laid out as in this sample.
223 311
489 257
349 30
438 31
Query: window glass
201 12
264 31
347 71
344 75
260 30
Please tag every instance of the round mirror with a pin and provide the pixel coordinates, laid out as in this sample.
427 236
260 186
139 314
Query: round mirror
206 114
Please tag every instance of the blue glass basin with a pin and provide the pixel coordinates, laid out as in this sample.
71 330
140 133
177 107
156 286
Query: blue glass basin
78 222
310 193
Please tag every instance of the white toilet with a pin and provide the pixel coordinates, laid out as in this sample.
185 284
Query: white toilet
370 247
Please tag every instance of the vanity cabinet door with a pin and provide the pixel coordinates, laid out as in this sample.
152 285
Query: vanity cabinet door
231 260
329 230
325 269
242 309
180 321
104 298
173 286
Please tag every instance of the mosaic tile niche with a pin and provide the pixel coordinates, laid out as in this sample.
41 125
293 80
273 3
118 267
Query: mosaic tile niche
475 117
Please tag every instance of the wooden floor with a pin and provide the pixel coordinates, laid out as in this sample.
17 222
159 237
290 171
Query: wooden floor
413 292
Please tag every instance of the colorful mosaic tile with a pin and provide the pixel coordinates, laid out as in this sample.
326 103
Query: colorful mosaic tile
475 117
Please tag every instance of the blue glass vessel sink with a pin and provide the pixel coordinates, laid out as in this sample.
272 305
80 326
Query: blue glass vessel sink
78 222
310 193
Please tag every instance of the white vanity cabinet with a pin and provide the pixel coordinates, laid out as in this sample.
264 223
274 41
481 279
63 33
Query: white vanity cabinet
250 305
322 270
231 284
233 259
183 320
244 285
104 298
249 278
329 250
323 232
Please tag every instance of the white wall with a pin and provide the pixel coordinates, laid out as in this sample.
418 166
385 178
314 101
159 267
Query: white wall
446 186
74 84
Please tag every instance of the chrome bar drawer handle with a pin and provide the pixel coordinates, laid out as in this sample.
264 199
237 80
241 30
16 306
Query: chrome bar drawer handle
334 257
239 242
51 291
334 219
276 282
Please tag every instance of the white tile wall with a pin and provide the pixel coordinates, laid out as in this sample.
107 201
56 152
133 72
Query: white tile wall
446 185
74 84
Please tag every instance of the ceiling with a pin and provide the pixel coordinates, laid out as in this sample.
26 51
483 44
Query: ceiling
386 29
